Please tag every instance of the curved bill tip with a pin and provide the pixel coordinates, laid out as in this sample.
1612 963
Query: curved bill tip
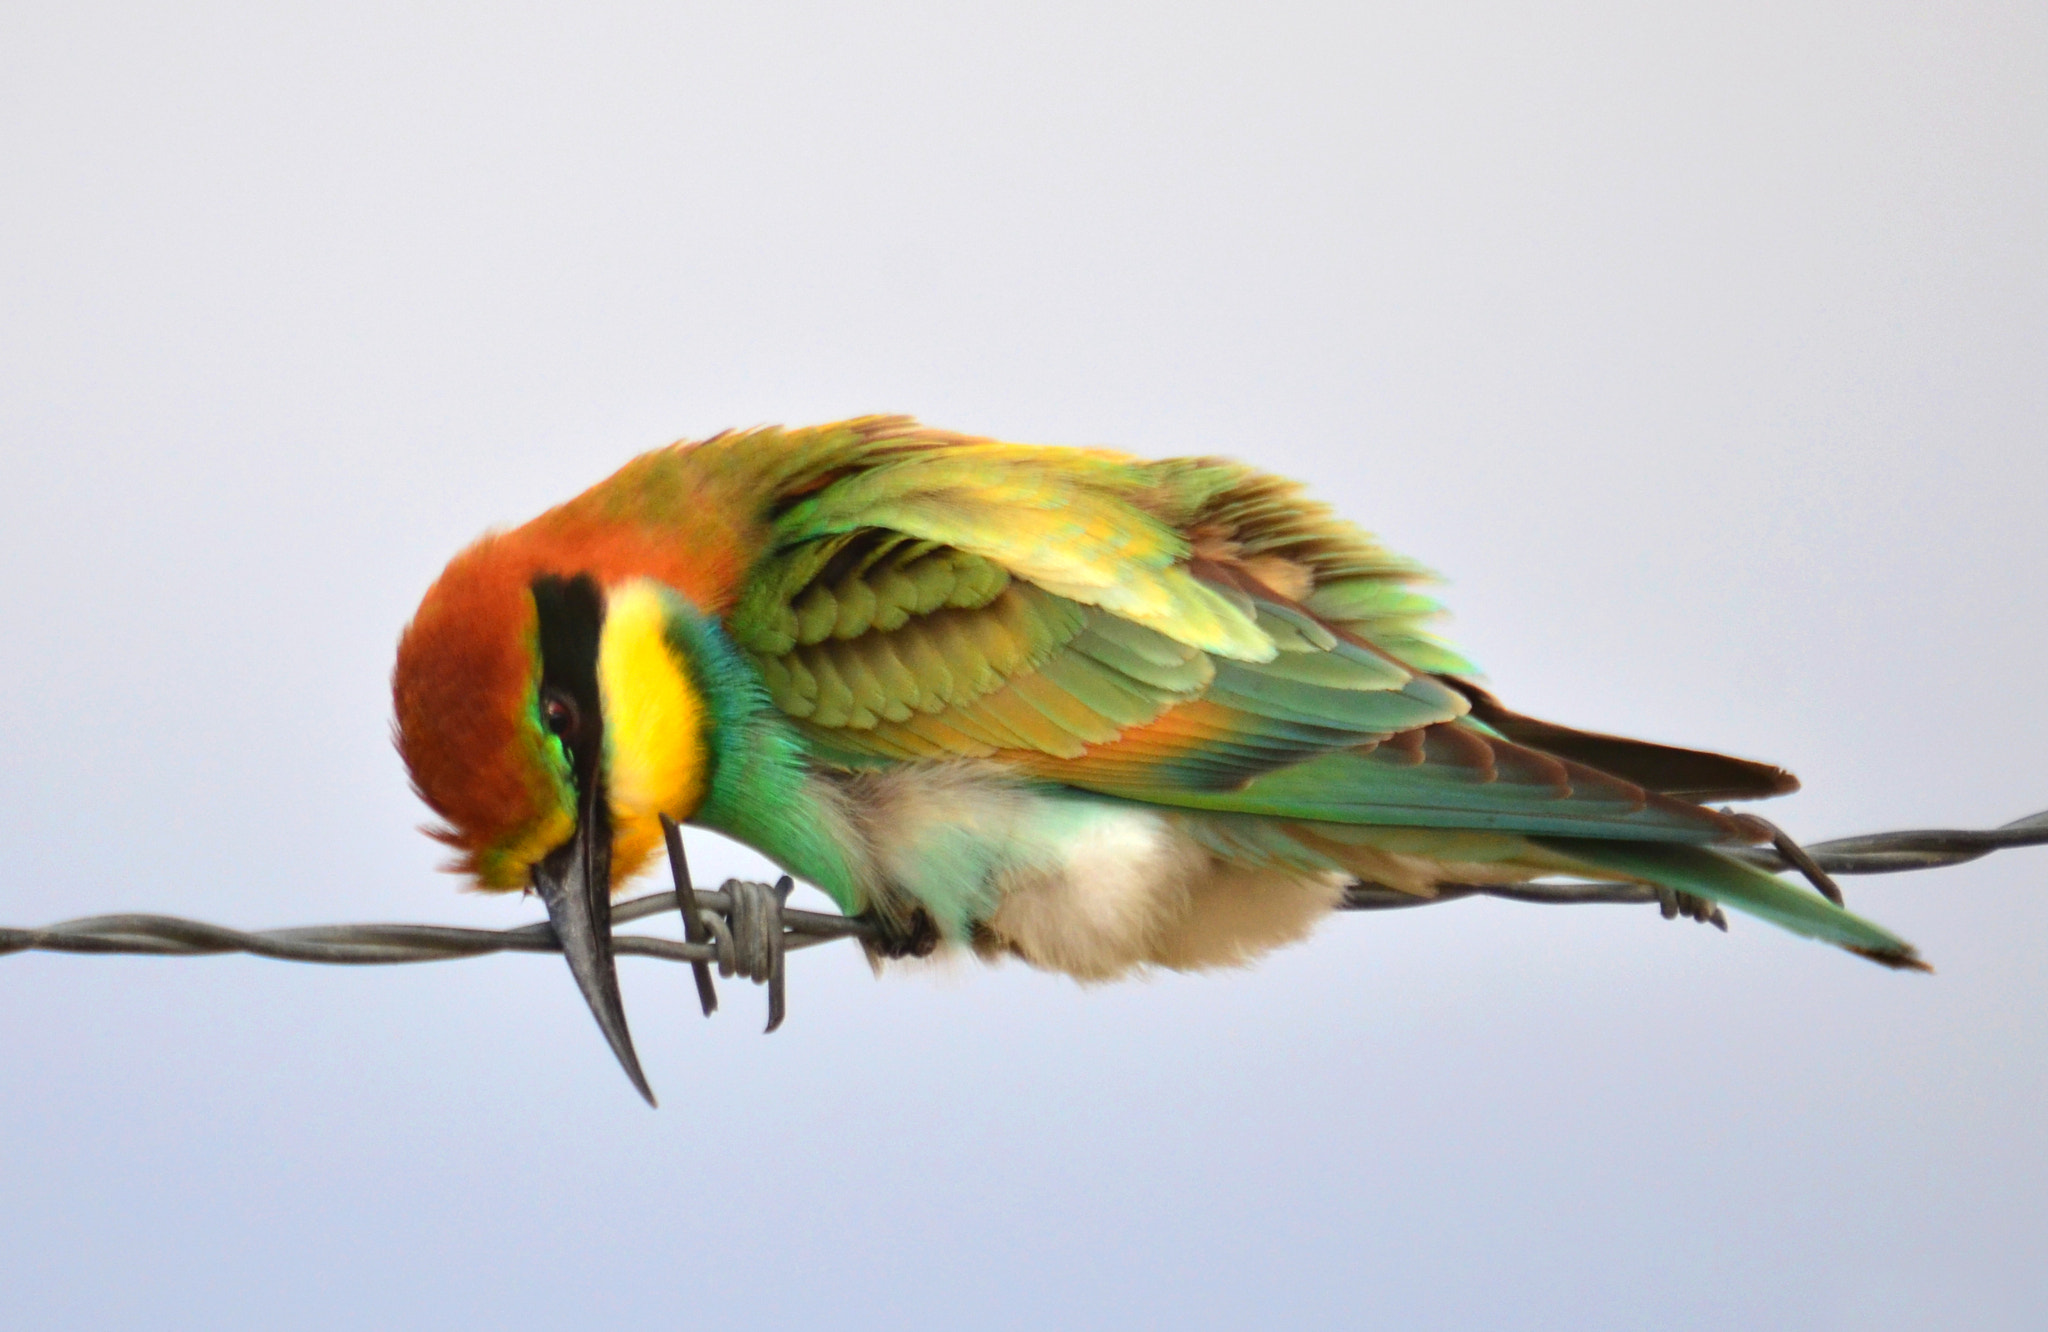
579 906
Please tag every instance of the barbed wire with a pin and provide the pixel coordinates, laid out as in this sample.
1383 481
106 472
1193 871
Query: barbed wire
745 928
383 945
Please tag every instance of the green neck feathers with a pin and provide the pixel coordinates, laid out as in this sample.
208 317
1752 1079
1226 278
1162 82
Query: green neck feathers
760 789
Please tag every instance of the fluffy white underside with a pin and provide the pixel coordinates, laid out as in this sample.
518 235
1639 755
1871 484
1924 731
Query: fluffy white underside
1091 888
1134 890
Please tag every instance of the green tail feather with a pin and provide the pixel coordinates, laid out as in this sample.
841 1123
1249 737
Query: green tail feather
1708 873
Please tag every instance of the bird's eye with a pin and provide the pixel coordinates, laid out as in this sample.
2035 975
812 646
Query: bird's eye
559 710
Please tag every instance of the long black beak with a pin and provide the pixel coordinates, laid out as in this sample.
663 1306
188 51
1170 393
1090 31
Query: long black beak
576 883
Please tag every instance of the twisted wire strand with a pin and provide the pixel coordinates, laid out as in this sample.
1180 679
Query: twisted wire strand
381 945
760 908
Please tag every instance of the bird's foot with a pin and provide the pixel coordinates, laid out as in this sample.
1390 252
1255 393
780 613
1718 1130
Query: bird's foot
894 937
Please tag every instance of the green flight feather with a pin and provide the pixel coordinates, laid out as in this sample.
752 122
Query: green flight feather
1708 873
1383 787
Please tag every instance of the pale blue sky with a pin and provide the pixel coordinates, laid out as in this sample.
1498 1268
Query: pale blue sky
1703 348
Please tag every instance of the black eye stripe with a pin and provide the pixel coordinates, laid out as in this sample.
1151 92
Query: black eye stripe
571 619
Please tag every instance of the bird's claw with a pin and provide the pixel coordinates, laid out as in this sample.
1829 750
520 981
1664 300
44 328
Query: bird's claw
915 935
1693 907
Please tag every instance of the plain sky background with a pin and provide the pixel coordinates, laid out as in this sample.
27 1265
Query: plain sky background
1703 348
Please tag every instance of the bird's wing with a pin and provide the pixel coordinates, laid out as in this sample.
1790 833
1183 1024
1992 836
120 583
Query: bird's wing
1188 633
1195 635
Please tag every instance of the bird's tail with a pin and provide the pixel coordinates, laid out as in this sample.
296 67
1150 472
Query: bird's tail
1708 873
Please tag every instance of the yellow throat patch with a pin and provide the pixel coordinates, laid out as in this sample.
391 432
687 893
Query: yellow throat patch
654 724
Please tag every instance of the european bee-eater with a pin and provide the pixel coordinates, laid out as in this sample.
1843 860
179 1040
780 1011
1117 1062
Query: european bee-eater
1097 712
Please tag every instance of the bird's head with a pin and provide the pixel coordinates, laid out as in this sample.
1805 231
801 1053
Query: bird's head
550 715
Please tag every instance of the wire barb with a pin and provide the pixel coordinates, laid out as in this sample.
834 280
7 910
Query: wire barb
1796 855
693 924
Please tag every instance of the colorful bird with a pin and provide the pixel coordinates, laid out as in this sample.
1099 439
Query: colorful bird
1096 712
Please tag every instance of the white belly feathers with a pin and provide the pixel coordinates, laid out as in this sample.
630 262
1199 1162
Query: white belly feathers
1086 887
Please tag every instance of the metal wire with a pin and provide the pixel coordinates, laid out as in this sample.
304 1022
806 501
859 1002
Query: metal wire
745 928
379 945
